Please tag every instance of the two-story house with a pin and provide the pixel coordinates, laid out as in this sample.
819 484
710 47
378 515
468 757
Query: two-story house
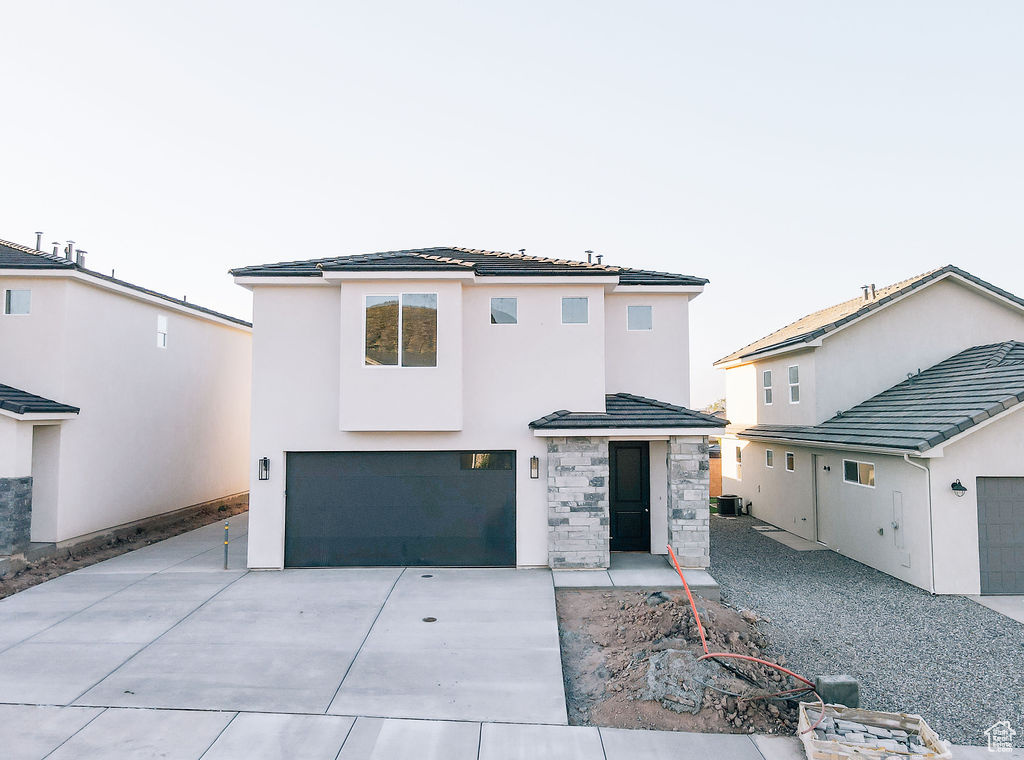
117 403
886 428
448 406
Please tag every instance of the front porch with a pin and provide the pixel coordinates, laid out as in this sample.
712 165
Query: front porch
635 477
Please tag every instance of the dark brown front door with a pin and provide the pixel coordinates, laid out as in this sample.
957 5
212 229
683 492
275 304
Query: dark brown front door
629 467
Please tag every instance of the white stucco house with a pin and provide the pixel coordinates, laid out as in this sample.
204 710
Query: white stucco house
116 403
888 428
448 406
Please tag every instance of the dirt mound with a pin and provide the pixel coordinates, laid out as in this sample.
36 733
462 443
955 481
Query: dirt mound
630 660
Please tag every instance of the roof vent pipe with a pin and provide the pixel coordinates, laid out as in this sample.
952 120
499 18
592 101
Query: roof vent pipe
56 248
80 258
69 249
522 251
590 257
865 289
39 241
872 291
599 257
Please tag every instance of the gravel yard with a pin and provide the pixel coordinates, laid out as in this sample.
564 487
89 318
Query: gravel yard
958 664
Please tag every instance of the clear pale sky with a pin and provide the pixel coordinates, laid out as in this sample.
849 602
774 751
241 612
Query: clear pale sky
789 152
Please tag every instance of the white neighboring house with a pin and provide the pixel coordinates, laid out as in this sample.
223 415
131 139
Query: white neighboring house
448 406
116 403
836 436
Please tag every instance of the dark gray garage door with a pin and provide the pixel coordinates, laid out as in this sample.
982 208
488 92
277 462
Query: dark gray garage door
1001 535
400 508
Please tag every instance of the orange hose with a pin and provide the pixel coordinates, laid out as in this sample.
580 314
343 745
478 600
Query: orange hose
709 655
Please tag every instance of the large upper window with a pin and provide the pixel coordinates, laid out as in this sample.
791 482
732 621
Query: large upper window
639 318
17 301
860 473
794 384
766 382
504 311
575 311
405 336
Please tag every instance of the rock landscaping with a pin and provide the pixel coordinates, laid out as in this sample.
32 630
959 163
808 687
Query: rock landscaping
631 660
867 736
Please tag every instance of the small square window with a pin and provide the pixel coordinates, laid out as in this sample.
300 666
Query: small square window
790 461
17 301
769 458
575 311
161 331
504 311
639 318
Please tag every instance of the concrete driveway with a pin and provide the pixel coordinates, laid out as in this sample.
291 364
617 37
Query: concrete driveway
167 627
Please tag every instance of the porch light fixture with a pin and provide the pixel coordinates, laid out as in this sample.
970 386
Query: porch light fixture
958 488
264 468
534 467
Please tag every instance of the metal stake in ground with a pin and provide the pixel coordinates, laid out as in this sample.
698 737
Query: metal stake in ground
226 545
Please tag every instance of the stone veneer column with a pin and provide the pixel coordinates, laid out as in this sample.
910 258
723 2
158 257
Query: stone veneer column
578 502
689 505
15 514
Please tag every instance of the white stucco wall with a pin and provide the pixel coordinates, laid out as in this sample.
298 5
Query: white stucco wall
510 375
15 447
665 372
159 429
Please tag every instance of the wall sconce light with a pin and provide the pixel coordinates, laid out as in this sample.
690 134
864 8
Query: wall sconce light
958 488
264 468
534 467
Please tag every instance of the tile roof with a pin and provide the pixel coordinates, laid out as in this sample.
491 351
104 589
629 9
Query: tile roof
482 263
22 402
16 256
813 326
624 410
925 409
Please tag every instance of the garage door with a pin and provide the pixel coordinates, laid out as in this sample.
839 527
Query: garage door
1001 535
400 508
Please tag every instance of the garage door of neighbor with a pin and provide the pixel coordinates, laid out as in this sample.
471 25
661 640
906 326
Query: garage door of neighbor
400 508
1001 535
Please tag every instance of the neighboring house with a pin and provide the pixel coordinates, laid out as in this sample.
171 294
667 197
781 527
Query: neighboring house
116 403
838 436
447 406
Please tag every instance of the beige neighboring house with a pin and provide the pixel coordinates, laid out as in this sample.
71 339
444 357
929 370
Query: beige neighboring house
888 428
116 403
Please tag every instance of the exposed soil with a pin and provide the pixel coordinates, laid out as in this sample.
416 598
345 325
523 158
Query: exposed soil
76 557
629 660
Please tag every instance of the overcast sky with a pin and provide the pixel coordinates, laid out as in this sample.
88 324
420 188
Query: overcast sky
789 152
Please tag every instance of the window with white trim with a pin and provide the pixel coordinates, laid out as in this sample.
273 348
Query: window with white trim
769 458
401 330
161 331
790 461
575 310
739 462
794 384
17 301
504 311
639 318
859 473
766 384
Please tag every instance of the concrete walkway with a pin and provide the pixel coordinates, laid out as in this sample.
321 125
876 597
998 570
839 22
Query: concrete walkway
641 571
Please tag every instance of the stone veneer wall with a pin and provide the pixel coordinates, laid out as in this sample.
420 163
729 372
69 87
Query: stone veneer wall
689 505
15 514
578 502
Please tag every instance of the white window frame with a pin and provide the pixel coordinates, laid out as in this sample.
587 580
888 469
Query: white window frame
650 310
790 456
793 385
769 459
161 331
767 387
585 299
7 298
490 313
857 482
401 295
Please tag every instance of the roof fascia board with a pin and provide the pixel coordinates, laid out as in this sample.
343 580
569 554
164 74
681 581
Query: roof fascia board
576 279
824 445
939 450
670 289
38 416
741 361
403 274
138 295
248 281
639 433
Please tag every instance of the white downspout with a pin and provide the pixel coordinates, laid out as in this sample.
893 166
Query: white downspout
931 533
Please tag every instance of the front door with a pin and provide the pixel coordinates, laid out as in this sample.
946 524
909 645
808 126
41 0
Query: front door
629 489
